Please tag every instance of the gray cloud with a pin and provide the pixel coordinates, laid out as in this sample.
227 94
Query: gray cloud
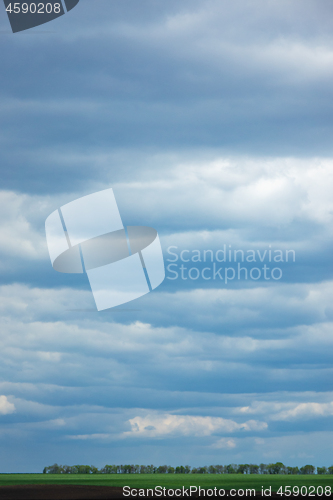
173 78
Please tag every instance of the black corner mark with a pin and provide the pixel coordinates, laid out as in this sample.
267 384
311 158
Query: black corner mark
26 14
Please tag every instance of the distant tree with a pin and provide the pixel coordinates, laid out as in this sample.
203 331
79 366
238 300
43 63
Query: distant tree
230 469
263 469
253 469
277 468
281 467
53 469
83 469
273 468
109 469
69 469
243 469
292 470
128 469
307 469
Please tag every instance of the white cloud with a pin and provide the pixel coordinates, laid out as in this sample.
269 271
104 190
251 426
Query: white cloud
40 336
238 194
19 237
220 194
5 406
187 425
305 411
224 443
288 410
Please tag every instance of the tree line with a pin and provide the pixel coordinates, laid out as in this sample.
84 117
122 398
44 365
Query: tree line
277 468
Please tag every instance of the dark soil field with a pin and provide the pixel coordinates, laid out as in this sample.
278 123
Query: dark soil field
67 492
58 492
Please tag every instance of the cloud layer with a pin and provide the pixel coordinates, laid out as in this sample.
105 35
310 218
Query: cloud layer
212 123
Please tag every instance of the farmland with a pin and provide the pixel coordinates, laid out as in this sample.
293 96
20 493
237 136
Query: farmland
220 481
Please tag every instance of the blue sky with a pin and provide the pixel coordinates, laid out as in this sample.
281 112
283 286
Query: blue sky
212 122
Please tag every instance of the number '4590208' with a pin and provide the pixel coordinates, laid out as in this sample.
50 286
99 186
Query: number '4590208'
308 491
33 8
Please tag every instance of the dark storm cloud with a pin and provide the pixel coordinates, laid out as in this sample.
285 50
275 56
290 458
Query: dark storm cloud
165 76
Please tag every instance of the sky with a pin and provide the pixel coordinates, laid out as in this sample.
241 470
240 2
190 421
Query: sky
212 122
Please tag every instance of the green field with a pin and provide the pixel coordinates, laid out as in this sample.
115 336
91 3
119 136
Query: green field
225 481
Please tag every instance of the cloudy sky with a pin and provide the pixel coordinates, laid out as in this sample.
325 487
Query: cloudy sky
212 122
